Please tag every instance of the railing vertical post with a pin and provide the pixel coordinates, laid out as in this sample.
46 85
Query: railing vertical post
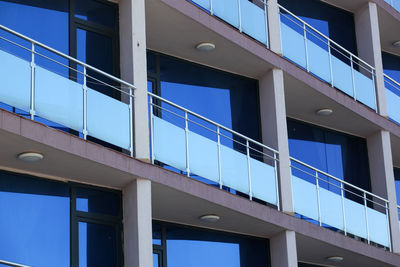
248 169
32 100
276 181
318 199
219 157
343 209
211 7
240 16
366 215
152 128
373 84
266 22
187 144
388 225
352 77
330 61
306 46
131 121
84 88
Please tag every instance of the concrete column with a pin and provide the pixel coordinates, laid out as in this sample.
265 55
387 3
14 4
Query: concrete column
274 130
369 48
137 220
382 179
134 68
274 29
283 249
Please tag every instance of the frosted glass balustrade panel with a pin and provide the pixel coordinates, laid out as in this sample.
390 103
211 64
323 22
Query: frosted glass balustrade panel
331 208
318 60
253 21
378 227
228 10
108 119
203 3
365 89
58 99
342 78
203 155
15 77
263 182
169 144
355 218
305 199
293 46
393 105
234 170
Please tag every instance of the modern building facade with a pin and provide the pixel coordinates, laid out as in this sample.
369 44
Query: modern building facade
199 133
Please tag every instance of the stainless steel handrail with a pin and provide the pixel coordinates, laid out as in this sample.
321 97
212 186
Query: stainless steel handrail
67 57
393 81
13 264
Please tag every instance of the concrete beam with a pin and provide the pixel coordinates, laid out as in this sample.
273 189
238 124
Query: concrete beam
283 249
137 221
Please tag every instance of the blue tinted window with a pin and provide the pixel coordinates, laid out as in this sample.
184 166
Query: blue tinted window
397 181
97 245
34 221
95 11
97 201
156 234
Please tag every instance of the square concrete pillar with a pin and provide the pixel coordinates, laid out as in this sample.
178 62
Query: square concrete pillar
274 130
132 34
274 29
283 249
137 224
382 179
369 48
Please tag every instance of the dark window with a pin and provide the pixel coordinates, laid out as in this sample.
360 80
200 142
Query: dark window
98 201
397 181
96 11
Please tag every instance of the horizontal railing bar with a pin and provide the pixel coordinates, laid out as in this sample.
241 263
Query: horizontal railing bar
211 122
13 264
339 180
66 56
392 80
330 40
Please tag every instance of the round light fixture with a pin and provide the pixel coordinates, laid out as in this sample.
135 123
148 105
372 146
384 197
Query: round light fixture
396 44
334 259
209 218
205 47
30 156
324 112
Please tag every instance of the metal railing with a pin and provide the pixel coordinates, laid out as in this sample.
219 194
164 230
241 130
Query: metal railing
346 191
392 98
310 33
251 149
78 72
12 264
248 17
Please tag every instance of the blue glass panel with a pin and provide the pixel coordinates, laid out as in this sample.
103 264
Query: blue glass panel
253 21
318 60
108 119
98 201
155 260
293 45
234 170
365 89
58 99
342 78
263 181
227 10
378 227
393 105
15 76
97 245
203 3
203 155
396 4
305 200
355 218
34 221
331 208
169 144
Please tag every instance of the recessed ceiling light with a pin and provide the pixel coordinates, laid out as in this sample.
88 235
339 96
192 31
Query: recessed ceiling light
205 47
209 218
324 112
396 44
334 259
30 156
